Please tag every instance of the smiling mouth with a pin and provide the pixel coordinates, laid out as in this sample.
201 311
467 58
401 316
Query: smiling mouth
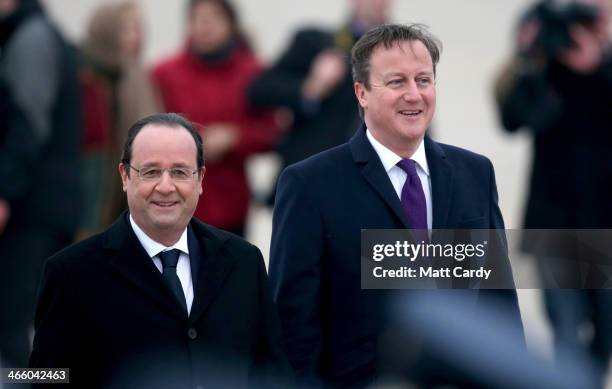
414 112
165 204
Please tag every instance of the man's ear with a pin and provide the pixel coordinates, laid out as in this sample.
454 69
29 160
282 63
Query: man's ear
124 177
201 180
360 93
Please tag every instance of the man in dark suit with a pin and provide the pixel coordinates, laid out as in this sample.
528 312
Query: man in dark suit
160 299
330 325
312 81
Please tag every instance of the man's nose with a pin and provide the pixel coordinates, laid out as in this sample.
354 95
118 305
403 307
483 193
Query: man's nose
165 183
411 91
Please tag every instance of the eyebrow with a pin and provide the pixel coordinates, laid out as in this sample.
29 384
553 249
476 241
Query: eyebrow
399 74
426 73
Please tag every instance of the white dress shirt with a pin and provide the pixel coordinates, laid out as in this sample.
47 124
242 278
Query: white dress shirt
398 177
183 267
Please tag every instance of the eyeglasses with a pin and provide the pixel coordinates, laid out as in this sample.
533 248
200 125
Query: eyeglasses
155 173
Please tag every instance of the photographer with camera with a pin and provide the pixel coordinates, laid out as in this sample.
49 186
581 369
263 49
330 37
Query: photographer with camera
558 86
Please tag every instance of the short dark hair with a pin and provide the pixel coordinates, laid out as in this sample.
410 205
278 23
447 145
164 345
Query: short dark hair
167 119
388 35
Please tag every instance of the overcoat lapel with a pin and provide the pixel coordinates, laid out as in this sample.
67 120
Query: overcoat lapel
441 173
374 173
132 262
215 264
211 264
440 169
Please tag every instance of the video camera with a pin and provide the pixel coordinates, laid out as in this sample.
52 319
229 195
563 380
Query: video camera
555 19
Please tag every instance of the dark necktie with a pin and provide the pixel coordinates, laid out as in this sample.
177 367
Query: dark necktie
413 199
169 259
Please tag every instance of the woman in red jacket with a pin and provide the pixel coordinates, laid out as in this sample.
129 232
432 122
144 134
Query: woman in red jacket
207 82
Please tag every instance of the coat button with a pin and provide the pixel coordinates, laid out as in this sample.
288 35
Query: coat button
192 333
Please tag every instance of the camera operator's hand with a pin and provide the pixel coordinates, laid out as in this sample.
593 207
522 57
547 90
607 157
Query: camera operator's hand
526 35
586 54
531 56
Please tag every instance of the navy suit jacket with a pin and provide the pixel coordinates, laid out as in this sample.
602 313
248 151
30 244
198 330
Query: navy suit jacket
330 324
105 313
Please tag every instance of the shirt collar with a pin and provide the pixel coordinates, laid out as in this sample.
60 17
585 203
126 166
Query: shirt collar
152 247
389 159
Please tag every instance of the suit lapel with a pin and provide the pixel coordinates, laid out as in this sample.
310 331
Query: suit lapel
132 262
195 256
441 183
375 174
439 167
215 264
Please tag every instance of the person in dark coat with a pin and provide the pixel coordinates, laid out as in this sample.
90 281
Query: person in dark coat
39 143
330 324
160 300
560 90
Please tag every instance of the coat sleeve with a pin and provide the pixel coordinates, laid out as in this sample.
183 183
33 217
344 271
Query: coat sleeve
271 368
506 300
525 97
295 274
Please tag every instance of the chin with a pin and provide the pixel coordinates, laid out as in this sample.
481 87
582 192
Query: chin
411 134
165 222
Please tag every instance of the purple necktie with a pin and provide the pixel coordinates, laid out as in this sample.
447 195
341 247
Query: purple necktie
413 198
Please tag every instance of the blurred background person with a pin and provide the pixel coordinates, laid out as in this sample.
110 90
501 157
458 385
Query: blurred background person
39 138
207 82
312 81
559 87
116 92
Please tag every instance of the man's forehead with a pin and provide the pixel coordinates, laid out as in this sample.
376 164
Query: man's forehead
414 57
161 137
153 131
414 47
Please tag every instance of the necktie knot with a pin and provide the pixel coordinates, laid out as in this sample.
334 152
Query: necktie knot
169 258
409 166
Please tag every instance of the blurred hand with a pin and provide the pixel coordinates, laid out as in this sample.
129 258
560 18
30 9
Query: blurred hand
219 138
326 71
586 54
5 214
283 117
526 35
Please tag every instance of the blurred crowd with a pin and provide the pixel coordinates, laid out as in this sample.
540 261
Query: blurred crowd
65 109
